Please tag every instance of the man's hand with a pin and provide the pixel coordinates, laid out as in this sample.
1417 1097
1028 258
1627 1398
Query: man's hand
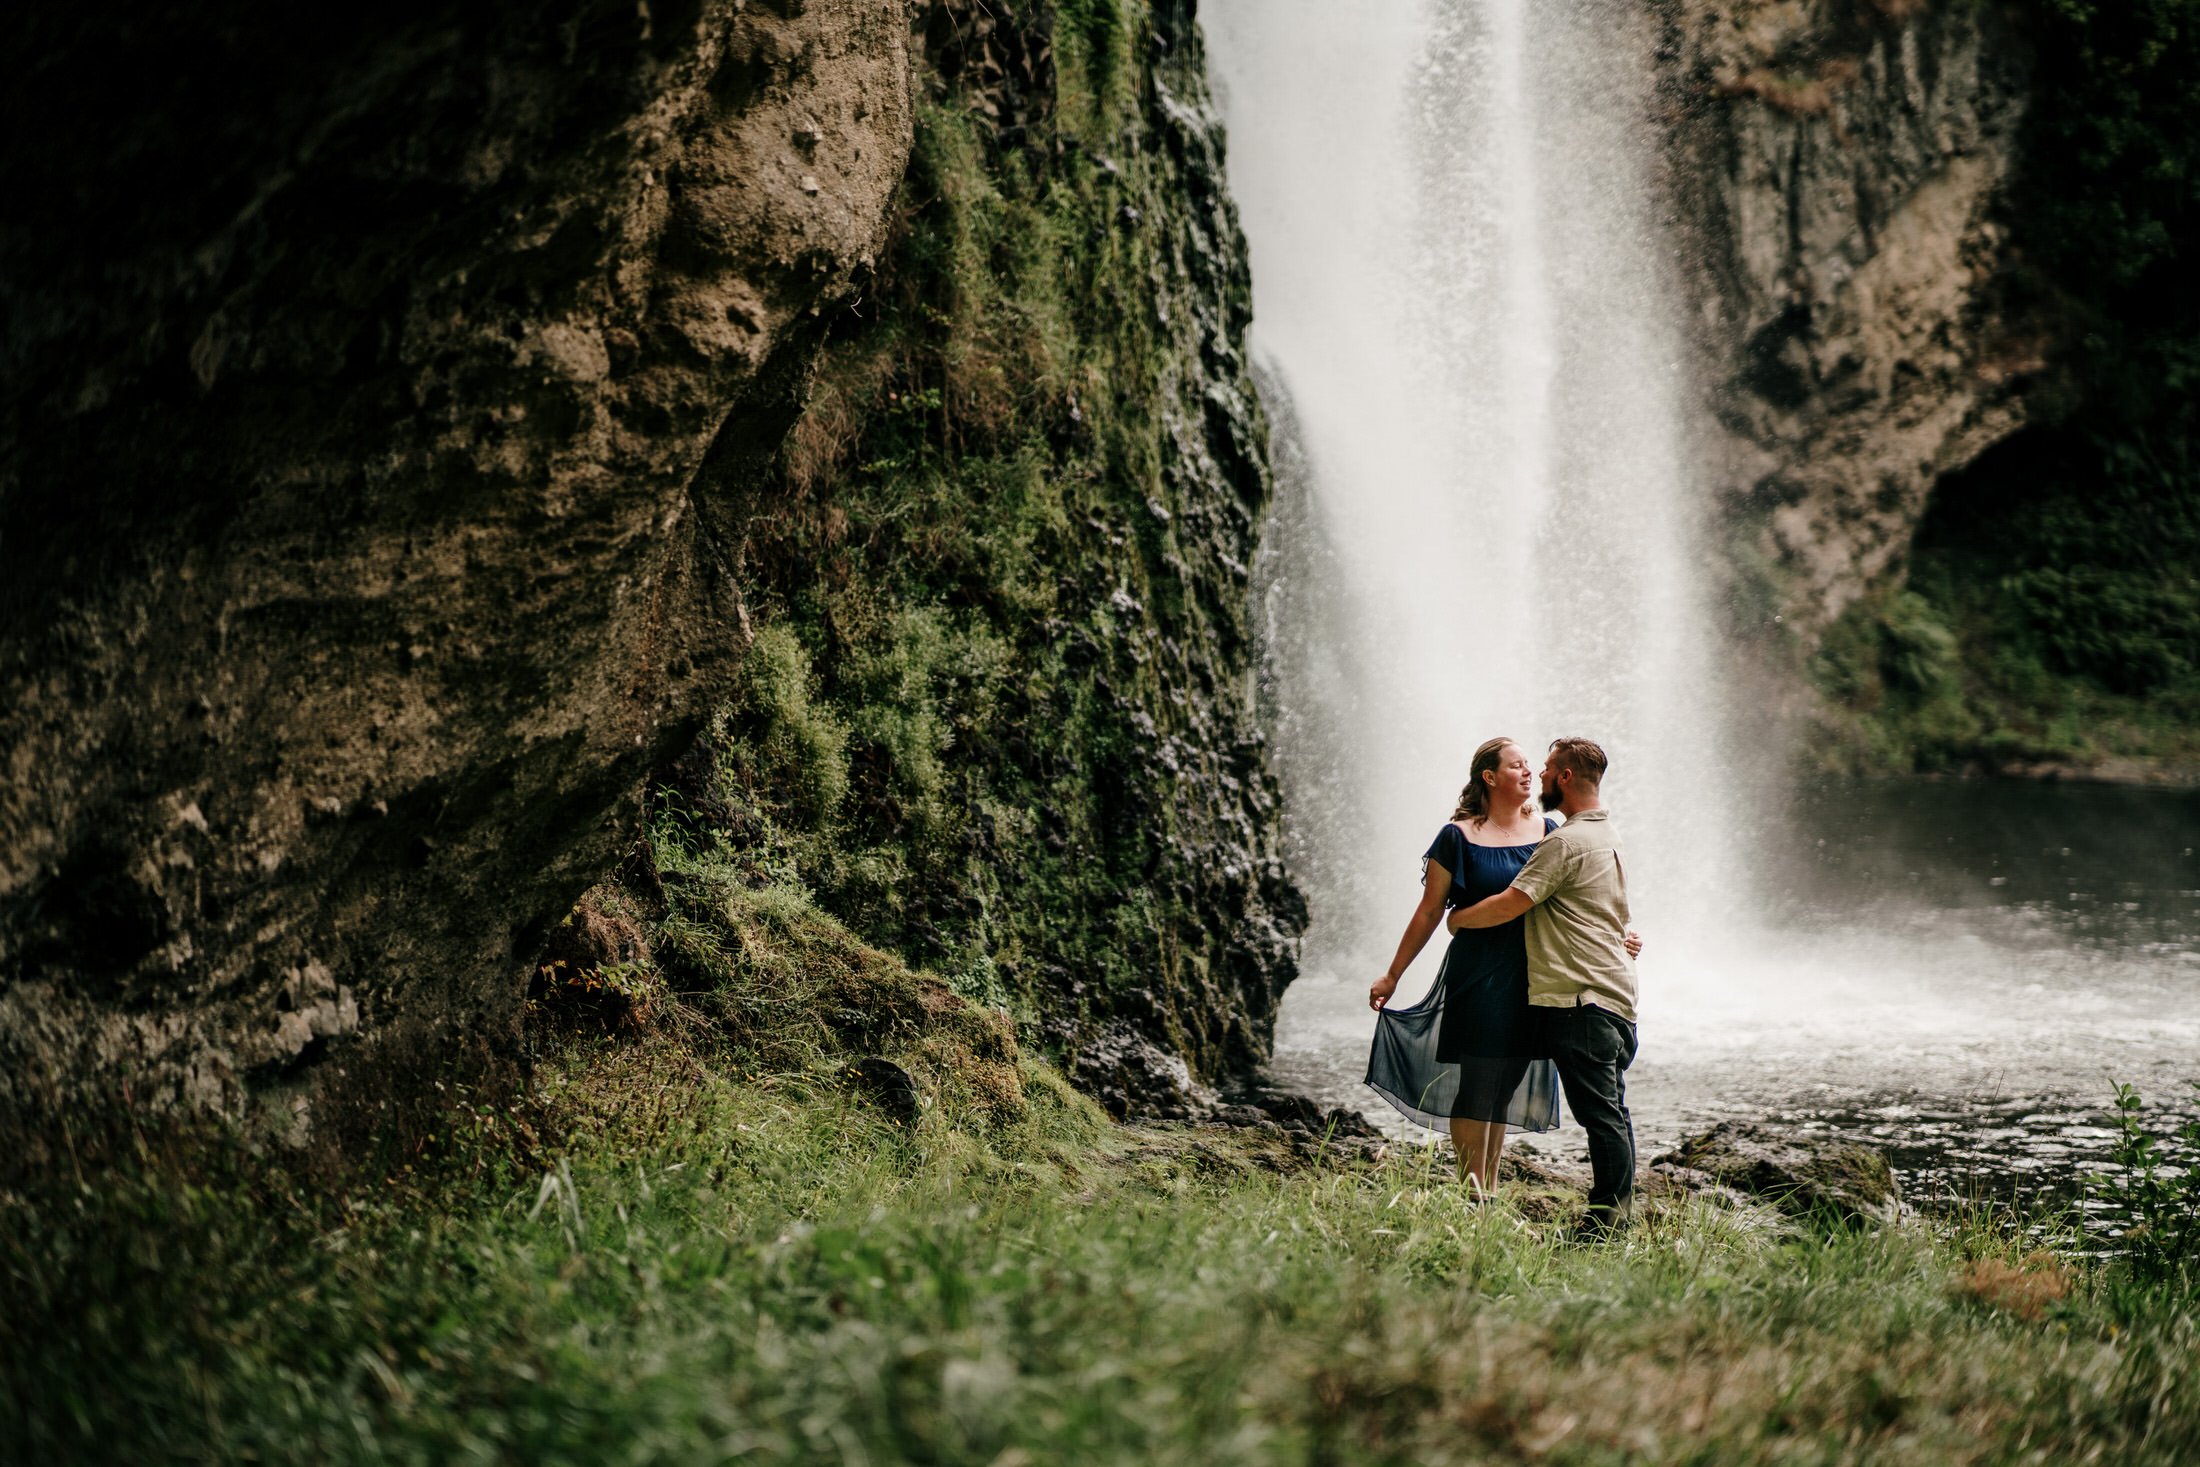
1493 911
1633 943
1379 992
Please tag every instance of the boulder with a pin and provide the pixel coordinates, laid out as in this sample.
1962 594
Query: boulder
1135 1079
1804 1175
888 1086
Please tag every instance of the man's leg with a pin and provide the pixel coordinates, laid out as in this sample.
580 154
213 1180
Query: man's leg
1593 1049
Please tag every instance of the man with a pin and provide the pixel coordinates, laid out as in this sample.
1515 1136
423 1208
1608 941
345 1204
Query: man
1580 980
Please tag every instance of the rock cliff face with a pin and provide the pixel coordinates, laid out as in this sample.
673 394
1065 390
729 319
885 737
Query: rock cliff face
1001 722
1839 165
379 397
414 438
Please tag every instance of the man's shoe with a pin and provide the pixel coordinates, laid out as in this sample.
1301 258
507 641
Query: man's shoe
1600 1224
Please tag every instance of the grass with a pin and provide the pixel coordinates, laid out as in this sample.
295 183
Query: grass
713 1265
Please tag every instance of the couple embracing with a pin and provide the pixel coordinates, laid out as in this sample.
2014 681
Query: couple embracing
1538 986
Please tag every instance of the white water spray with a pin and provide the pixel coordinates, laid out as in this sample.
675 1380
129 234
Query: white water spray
1486 522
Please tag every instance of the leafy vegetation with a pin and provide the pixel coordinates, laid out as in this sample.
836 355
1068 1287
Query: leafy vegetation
2151 1198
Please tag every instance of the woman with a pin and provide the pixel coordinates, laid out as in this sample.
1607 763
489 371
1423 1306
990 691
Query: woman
1465 1057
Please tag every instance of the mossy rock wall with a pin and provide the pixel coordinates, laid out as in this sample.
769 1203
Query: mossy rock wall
408 436
997 718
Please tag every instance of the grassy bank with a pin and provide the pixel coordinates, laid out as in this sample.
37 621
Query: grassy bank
1948 677
690 1262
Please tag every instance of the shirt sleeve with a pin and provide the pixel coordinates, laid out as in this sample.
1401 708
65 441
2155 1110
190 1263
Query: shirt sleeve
1545 872
1444 851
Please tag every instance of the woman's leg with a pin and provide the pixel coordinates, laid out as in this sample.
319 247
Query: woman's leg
1470 1142
1493 1149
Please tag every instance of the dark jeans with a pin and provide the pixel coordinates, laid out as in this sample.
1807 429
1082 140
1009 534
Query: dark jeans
1593 1048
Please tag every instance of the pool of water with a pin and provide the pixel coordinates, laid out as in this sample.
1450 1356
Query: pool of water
1959 972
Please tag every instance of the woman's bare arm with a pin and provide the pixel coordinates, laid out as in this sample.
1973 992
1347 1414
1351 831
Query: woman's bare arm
1428 914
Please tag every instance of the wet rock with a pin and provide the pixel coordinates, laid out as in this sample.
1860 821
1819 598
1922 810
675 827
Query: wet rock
1297 1113
1522 1163
1244 1116
1802 1175
1663 1178
1135 1079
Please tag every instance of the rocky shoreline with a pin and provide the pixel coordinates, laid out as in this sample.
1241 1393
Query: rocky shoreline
1732 1164
2135 773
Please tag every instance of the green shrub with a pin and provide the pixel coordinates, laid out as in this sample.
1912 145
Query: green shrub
1917 654
2151 1201
2131 633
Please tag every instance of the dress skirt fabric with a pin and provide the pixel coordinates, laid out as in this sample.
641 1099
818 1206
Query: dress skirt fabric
1469 1048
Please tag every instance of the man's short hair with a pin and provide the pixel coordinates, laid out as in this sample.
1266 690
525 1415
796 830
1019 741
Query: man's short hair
1583 756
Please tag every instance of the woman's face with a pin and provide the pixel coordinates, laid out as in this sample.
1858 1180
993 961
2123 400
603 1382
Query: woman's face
1512 782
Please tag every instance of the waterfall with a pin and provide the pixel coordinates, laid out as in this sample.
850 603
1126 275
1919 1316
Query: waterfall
1471 347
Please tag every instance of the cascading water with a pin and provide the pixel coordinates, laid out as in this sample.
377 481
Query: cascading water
1471 353
1485 524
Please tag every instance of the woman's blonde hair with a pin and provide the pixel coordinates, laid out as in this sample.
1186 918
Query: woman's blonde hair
1474 800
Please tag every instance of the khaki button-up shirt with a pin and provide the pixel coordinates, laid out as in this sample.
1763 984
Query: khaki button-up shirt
1579 921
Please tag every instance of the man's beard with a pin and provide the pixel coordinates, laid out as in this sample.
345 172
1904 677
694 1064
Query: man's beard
1551 799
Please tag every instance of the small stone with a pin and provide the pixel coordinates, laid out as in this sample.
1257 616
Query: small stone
1242 1117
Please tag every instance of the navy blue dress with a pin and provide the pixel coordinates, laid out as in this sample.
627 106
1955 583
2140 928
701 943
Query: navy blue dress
1469 1048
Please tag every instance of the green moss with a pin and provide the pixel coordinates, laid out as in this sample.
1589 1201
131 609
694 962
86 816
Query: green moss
797 748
